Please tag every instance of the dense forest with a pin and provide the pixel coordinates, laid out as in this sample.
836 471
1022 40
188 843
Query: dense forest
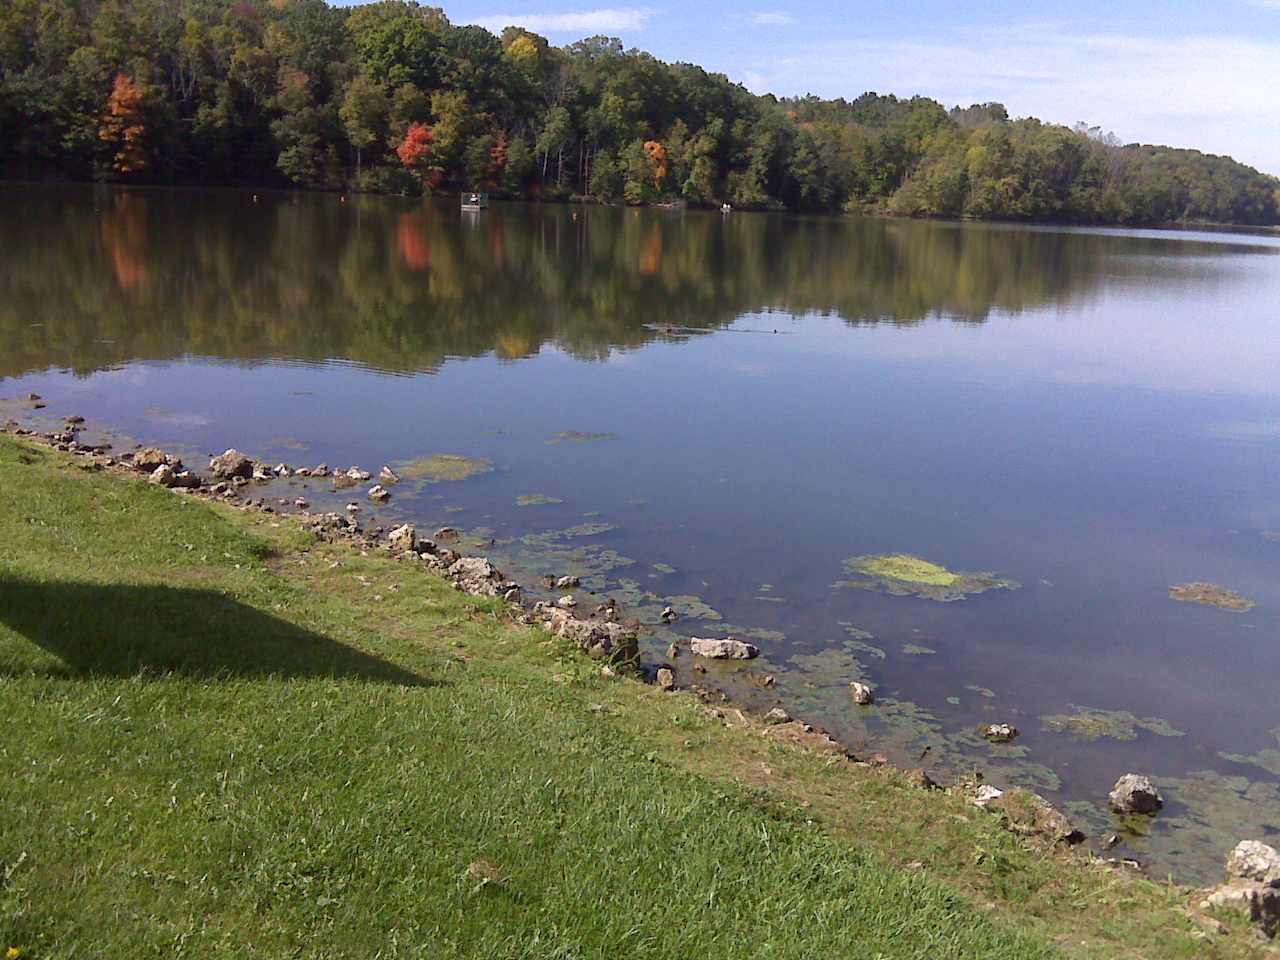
391 97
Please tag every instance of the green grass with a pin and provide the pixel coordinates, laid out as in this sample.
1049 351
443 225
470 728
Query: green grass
218 743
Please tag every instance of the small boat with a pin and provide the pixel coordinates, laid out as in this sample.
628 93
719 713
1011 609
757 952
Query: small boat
475 201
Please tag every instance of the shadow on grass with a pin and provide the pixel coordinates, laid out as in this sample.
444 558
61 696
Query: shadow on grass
121 631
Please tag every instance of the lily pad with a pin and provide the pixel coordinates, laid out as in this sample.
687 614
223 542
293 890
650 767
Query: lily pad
906 575
915 650
1210 595
536 500
439 467
1089 723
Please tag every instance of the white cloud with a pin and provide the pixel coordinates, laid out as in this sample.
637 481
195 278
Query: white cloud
772 19
1212 93
605 20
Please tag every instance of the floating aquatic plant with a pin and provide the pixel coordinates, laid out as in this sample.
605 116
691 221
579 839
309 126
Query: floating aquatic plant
579 436
906 575
440 467
1089 723
915 650
536 500
1211 595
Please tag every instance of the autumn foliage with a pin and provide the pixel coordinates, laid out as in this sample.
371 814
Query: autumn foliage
657 161
416 149
122 125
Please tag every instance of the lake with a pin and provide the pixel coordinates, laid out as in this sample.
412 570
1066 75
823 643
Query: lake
719 412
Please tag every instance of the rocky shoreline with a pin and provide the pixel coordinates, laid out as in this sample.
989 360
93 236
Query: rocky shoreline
1253 869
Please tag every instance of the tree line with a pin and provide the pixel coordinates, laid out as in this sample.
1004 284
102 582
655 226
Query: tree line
390 97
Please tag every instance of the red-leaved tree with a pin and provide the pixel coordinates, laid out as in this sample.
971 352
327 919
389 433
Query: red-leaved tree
416 151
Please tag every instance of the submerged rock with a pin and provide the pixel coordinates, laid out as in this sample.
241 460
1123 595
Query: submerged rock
669 615
379 493
999 732
358 475
723 649
666 678
1135 794
231 464
862 694
568 583
388 476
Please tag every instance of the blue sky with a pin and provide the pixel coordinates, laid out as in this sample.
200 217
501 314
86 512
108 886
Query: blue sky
1203 75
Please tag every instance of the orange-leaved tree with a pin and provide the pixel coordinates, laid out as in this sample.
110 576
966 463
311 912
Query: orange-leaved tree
122 124
657 160
417 150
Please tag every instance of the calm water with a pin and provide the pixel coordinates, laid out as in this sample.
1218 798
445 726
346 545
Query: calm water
753 400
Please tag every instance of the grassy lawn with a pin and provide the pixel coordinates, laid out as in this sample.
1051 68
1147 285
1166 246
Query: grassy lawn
219 738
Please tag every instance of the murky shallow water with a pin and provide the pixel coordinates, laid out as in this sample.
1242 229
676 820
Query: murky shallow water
724 410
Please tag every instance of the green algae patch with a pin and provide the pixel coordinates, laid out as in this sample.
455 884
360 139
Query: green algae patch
695 608
1210 595
536 500
442 467
915 650
1089 724
579 436
906 575
1266 759
664 568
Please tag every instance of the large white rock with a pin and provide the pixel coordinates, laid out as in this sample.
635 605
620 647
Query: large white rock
1252 860
723 649
1135 794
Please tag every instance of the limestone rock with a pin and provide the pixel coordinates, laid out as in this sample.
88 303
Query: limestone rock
358 475
862 694
723 649
148 459
666 678
477 576
388 476
1261 902
599 638
777 715
1255 861
231 464
163 475
1030 814
568 583
403 538
999 732
1135 794
986 795
921 779
379 494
